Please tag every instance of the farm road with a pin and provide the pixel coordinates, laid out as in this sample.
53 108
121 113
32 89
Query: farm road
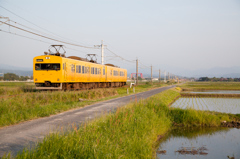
26 134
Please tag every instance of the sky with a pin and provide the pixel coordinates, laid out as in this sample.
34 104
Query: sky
168 34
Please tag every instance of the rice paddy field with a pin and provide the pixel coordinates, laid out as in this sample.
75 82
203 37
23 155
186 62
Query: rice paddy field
223 105
132 131
211 86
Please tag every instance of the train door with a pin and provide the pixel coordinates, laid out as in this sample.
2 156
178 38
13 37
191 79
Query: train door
110 74
73 72
105 72
102 74
88 72
65 71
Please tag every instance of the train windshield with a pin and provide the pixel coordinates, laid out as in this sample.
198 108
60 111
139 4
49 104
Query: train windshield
47 66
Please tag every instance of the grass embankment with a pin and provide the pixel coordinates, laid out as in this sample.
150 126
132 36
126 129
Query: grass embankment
34 105
27 106
211 86
130 132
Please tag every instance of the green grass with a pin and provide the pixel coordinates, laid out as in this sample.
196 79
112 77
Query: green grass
211 85
32 105
13 88
130 132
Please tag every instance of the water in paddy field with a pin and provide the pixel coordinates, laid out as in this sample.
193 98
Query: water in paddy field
213 92
200 143
224 105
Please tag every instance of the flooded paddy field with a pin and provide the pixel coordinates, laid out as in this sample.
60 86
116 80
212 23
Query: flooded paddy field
223 105
209 142
214 92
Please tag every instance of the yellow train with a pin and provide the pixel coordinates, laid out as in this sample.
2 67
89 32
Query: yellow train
56 72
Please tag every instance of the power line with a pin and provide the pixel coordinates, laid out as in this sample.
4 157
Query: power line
43 19
38 40
23 36
30 28
48 37
144 65
119 56
33 23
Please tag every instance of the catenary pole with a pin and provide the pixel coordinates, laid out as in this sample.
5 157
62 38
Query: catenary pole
137 71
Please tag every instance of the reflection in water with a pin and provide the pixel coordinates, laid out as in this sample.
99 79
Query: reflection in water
211 142
225 105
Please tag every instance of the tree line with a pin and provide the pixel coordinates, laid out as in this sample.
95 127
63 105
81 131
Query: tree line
214 79
14 77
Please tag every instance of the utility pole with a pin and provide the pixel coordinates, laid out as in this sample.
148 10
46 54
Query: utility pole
102 52
159 76
168 76
165 76
151 74
137 70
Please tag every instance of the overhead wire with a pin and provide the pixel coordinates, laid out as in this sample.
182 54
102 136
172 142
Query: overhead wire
48 37
38 40
57 39
30 28
144 65
23 36
43 19
119 56
33 23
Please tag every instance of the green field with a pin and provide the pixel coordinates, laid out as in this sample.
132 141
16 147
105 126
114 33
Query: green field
130 132
13 88
23 106
211 85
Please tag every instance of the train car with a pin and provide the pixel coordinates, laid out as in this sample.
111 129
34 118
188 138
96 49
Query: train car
56 72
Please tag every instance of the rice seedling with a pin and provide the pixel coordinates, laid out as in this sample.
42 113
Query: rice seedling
130 132
223 105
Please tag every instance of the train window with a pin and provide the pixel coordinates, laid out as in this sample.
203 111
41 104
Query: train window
96 71
103 70
83 69
49 66
78 69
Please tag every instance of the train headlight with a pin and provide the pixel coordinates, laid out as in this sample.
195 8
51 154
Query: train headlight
35 79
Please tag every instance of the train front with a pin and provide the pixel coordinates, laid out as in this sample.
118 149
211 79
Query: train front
47 72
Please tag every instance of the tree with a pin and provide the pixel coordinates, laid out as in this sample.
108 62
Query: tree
139 78
204 79
10 77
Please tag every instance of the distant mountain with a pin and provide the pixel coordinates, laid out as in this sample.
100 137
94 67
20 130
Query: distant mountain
233 72
20 71
10 67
